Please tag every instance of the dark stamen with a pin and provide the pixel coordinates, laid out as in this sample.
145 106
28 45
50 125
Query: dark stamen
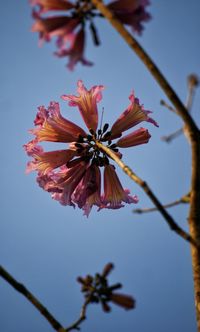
105 127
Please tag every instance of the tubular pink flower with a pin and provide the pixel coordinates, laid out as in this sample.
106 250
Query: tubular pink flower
137 137
114 194
131 12
44 162
87 103
55 128
133 115
75 51
46 5
86 187
68 183
88 192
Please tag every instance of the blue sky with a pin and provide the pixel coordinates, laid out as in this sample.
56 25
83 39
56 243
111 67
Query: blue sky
45 245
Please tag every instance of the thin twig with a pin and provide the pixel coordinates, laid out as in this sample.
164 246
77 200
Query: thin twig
151 66
75 325
170 108
188 105
183 200
31 298
173 135
170 221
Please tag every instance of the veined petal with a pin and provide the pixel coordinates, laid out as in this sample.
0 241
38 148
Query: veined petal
46 5
87 103
55 128
137 137
114 194
44 162
132 116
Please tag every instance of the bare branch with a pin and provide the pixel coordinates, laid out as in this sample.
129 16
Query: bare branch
168 218
193 82
31 298
183 200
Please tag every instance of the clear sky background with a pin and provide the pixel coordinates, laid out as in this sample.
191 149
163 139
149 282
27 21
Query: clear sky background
45 245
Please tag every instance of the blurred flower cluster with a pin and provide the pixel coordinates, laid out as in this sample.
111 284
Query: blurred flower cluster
97 290
69 27
73 175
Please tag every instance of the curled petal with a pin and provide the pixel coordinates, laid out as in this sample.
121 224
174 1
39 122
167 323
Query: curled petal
55 128
44 162
87 103
41 116
76 50
133 115
140 136
46 5
125 301
114 194
32 147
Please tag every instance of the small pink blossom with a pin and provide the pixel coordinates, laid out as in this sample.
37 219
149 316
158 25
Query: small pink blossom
72 176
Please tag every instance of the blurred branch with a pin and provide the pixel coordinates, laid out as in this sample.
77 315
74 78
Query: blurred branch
193 82
170 221
183 200
151 66
31 298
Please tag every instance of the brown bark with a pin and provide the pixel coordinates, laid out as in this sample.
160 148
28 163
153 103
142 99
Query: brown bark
194 221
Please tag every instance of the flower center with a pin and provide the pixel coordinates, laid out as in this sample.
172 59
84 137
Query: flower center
88 149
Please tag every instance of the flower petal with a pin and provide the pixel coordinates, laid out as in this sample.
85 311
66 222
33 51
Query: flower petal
133 115
87 103
140 136
86 187
68 181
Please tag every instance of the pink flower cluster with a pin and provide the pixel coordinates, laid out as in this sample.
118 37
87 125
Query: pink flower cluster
69 28
73 175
